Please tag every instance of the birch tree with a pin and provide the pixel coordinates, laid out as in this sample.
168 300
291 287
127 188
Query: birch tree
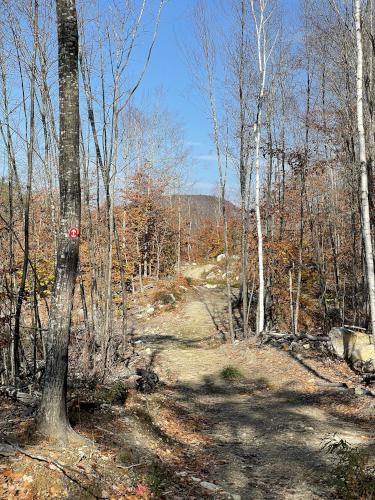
260 17
365 210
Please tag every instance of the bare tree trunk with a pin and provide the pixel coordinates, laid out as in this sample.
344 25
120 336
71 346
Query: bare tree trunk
178 263
86 348
123 290
282 184
12 286
291 305
303 166
92 257
52 418
260 23
30 156
365 210
209 57
244 177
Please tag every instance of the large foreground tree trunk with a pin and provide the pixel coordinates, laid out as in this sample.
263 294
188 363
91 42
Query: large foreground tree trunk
53 420
365 209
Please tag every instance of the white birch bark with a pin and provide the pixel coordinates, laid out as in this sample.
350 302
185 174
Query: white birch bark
365 210
259 22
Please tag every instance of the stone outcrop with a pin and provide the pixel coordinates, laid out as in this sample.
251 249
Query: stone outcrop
356 347
198 272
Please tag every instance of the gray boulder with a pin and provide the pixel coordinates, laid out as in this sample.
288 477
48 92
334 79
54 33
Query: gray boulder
353 346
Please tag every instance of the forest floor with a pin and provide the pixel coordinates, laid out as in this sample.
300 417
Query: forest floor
199 435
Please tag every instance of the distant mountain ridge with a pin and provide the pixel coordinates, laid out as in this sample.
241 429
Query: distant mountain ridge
199 208
203 205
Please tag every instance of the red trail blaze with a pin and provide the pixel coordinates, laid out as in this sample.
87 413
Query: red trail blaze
73 232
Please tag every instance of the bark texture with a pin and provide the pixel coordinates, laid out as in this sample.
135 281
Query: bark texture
53 420
365 208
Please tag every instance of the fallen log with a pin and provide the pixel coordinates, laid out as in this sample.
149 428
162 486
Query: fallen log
314 338
277 334
354 327
291 337
127 467
16 394
323 383
277 337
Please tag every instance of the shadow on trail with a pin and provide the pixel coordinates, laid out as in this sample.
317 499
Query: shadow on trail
272 448
172 341
261 445
218 314
304 365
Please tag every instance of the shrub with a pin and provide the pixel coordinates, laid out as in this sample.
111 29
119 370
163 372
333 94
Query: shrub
116 393
168 292
354 478
231 373
158 477
125 456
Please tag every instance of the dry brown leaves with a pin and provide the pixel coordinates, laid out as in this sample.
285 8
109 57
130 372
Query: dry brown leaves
182 428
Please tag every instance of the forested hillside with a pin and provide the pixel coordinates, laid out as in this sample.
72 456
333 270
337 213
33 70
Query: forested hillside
187 269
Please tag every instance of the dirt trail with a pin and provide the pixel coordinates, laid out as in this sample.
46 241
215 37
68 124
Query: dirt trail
198 436
267 430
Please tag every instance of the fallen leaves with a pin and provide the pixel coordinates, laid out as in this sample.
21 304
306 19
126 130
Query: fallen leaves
16 485
184 429
56 492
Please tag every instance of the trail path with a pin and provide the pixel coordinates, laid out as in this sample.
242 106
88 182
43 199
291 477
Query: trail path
198 436
267 430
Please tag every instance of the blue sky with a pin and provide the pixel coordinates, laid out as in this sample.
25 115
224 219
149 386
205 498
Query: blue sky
169 70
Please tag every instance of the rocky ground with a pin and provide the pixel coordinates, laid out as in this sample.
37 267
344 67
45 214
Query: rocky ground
258 436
